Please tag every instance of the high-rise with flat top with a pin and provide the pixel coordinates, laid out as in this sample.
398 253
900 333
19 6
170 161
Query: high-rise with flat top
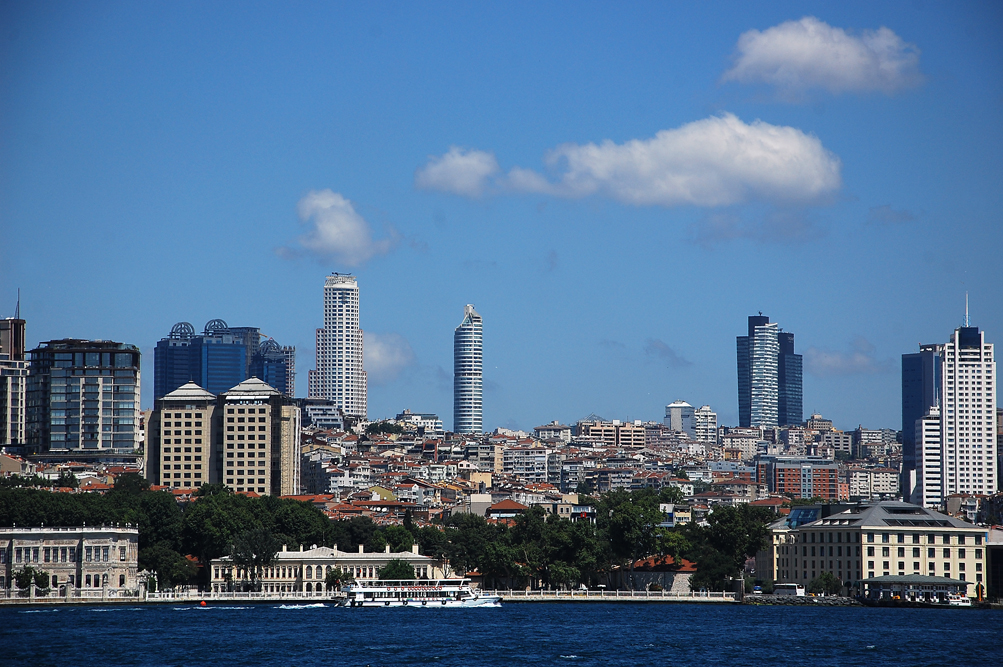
13 380
468 373
339 376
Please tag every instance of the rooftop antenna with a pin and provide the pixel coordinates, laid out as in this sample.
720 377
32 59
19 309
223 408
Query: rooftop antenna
17 308
966 309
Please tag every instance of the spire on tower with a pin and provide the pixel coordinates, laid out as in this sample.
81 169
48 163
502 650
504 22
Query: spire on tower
966 309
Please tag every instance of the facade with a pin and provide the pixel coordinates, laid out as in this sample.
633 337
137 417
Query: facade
275 365
468 373
83 396
180 437
968 414
339 376
553 431
921 390
427 424
878 539
872 483
78 557
769 376
304 570
789 382
926 479
679 416
259 446
799 477
13 382
705 425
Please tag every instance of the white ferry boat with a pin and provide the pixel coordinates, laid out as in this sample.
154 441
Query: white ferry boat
959 601
416 593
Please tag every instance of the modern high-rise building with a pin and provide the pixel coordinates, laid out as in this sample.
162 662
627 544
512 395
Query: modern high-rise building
679 417
180 436
83 395
276 365
968 413
921 391
468 373
926 483
339 376
13 380
769 376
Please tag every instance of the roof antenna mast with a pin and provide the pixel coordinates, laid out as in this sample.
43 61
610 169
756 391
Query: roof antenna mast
966 309
17 308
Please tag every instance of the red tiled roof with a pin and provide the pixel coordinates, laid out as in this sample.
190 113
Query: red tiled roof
664 564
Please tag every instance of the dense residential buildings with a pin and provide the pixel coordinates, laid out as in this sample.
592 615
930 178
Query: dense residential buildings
800 477
219 358
13 381
83 396
468 373
102 557
339 376
769 376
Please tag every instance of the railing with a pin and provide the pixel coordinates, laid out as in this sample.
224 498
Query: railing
72 595
602 594
193 594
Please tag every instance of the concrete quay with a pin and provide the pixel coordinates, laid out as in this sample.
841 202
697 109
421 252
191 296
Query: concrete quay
712 597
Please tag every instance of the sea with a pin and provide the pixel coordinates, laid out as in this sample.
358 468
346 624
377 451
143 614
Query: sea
318 635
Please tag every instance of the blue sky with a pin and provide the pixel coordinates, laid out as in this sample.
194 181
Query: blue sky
616 187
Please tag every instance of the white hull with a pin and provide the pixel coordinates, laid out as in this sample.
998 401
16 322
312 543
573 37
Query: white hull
485 601
417 594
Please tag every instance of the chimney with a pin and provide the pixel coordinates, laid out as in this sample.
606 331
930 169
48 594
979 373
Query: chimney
387 549
301 548
414 549
360 548
284 548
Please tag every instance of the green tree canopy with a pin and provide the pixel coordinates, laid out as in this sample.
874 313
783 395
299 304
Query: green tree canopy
397 569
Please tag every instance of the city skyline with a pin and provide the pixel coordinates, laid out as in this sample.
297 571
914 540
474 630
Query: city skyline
496 156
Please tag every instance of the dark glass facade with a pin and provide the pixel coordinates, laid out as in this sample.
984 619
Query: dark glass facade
921 389
217 360
790 400
269 364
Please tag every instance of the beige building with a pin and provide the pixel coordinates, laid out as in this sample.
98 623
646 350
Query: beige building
79 557
872 483
304 570
873 540
246 438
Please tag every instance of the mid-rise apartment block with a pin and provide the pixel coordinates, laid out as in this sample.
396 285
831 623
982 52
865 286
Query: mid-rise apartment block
705 424
83 395
800 477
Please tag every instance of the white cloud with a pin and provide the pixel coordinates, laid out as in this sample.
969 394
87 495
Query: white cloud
384 356
858 360
460 172
716 161
337 230
798 55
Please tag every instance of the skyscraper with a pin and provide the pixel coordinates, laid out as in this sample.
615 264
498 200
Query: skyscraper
468 373
83 395
921 390
679 416
276 365
339 376
217 359
968 413
769 376
13 380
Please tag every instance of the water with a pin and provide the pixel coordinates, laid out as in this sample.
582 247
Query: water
296 635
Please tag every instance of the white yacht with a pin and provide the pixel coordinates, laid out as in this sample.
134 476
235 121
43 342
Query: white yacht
416 593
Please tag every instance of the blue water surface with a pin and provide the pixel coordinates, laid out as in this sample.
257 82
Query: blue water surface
516 634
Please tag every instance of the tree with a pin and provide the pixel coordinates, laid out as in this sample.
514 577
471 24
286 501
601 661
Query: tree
28 575
826 583
384 427
397 537
172 568
681 474
397 569
671 494
334 578
253 550
130 483
66 480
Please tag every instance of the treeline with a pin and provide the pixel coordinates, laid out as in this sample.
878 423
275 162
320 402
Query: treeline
536 550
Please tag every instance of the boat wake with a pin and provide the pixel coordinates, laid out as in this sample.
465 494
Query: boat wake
317 605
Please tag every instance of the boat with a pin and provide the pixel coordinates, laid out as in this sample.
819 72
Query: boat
959 600
418 593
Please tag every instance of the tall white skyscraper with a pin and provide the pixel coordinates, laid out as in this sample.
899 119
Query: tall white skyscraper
468 373
968 413
339 376
764 348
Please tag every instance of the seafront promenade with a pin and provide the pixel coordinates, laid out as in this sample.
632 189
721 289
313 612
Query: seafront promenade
507 596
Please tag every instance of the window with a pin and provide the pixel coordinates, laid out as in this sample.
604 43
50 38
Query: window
947 553
121 553
121 581
104 553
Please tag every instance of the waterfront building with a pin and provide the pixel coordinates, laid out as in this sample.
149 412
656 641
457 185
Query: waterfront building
769 376
83 396
339 376
679 416
921 390
180 437
13 381
86 557
875 539
304 570
705 425
468 373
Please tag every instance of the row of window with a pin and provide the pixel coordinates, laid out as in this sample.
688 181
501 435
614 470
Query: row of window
61 554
